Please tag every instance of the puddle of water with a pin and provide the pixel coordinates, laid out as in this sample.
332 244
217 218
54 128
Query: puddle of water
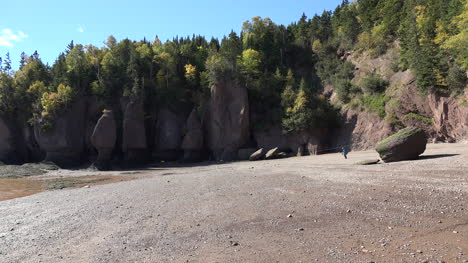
18 187
11 188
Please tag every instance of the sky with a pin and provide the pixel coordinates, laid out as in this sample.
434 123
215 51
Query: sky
49 25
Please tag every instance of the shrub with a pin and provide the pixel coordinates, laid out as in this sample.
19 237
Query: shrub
373 83
375 103
343 88
421 118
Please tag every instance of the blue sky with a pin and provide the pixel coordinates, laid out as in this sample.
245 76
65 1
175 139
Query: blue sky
49 25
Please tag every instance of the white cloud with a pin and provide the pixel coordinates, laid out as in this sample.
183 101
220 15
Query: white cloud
8 38
80 29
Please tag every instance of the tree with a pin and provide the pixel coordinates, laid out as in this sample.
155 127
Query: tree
7 64
23 60
249 62
458 43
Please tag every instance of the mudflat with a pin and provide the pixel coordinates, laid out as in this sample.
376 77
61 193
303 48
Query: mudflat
307 209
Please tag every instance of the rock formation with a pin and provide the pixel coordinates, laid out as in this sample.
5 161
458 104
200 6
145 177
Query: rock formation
271 154
104 138
227 126
64 142
134 144
257 155
6 142
406 144
299 143
193 139
168 137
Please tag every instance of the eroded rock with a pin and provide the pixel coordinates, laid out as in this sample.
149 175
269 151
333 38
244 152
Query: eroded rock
134 135
227 126
406 144
193 139
259 154
104 138
64 141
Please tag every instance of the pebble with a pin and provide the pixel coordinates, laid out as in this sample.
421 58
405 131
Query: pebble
234 244
290 215
455 232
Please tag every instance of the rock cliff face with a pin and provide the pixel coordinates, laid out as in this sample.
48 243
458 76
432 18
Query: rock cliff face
104 138
360 130
64 142
134 144
227 126
193 139
443 119
168 136
7 146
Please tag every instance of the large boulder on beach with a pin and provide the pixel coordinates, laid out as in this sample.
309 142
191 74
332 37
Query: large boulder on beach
271 154
104 138
259 154
406 144
227 125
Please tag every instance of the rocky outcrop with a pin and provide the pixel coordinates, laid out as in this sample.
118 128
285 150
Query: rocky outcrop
64 142
442 118
303 142
134 144
169 134
7 146
227 125
360 130
406 144
450 118
193 139
104 138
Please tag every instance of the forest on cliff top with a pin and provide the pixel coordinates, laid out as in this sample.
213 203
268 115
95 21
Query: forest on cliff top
284 68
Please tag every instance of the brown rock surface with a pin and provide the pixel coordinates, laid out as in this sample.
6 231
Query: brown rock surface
64 142
104 138
134 134
227 125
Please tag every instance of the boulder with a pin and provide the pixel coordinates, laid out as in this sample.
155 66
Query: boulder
282 155
169 133
257 155
300 143
244 154
368 162
104 138
193 139
64 141
134 134
227 125
406 144
271 154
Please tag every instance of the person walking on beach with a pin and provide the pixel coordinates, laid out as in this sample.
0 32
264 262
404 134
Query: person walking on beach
344 150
